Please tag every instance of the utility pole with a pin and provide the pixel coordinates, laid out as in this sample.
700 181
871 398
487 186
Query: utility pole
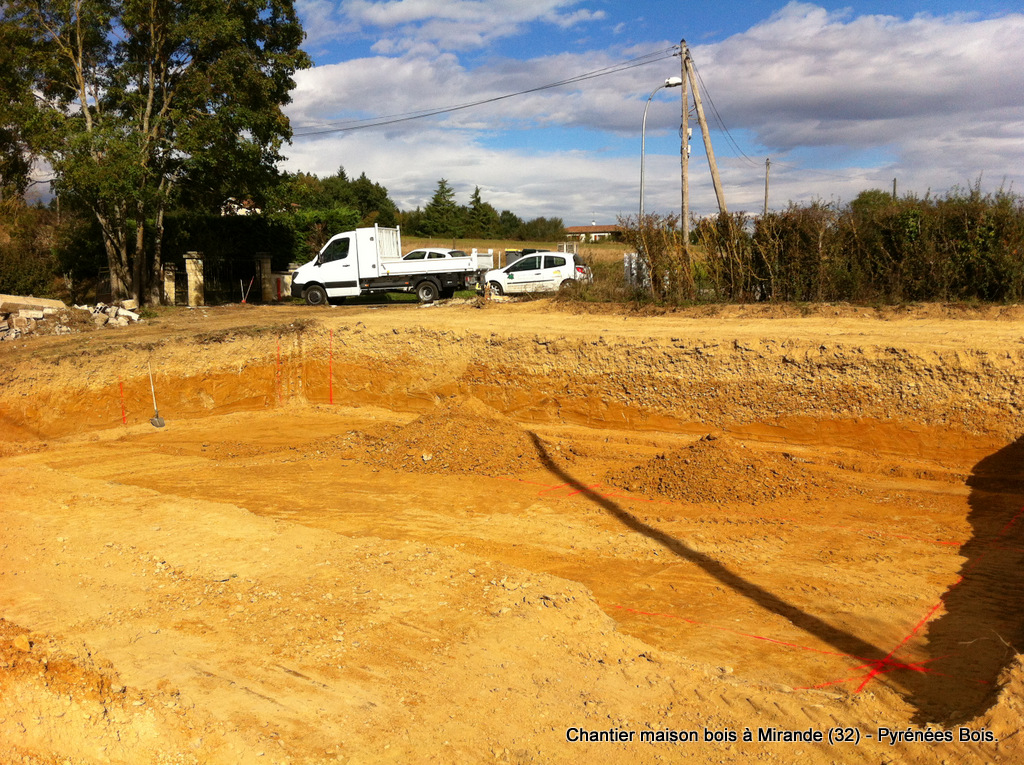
690 74
894 189
767 170
684 147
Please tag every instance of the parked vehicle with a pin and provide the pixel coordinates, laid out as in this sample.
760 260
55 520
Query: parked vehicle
370 260
540 272
434 253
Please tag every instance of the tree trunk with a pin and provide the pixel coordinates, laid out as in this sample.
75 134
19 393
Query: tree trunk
139 264
155 270
116 246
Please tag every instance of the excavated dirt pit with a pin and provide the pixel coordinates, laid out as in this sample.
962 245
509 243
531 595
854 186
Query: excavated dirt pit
453 535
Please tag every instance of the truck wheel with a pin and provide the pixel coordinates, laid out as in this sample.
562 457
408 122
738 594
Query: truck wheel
496 289
426 291
316 295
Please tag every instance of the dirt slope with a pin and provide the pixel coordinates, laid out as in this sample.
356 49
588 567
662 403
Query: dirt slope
453 534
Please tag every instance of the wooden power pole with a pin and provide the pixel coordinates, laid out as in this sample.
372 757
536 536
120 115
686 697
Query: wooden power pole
767 170
684 147
691 75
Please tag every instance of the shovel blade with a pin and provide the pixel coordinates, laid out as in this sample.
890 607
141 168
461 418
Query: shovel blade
157 422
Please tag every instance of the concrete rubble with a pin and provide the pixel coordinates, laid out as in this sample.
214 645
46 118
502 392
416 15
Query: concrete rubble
20 316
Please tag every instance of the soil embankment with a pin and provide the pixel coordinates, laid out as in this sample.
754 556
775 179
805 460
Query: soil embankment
450 534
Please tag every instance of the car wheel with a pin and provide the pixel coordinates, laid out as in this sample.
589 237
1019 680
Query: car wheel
569 287
316 295
426 292
496 289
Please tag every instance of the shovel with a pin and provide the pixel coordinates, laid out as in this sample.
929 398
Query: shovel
157 421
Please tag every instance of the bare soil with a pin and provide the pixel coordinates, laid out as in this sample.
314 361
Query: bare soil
452 534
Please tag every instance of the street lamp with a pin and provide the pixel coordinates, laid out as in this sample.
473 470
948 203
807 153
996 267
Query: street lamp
671 82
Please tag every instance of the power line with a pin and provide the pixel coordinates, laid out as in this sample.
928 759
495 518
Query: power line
718 117
371 122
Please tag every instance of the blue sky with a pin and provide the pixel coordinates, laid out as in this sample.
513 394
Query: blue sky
841 97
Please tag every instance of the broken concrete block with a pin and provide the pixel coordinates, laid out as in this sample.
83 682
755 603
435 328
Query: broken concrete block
29 313
120 321
111 311
12 303
100 319
121 312
130 305
19 321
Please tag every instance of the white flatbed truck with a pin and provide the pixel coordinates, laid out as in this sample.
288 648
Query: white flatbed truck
370 260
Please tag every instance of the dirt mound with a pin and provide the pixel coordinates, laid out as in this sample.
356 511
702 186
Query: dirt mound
720 470
460 435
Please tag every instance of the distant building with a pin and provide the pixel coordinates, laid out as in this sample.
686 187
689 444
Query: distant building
593 232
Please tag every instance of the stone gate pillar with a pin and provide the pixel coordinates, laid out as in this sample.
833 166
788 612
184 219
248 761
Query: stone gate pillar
194 271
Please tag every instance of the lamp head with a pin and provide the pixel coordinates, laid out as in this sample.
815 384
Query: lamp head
673 82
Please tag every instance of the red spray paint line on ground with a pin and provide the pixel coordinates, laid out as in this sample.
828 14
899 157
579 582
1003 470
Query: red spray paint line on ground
277 373
124 416
888 663
876 667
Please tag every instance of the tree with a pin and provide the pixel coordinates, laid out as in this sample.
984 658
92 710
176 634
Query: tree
372 201
509 224
136 101
15 107
482 218
441 216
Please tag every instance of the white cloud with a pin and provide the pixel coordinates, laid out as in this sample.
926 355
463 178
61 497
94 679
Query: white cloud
459 24
933 101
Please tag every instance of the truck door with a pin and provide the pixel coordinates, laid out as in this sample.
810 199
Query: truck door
336 268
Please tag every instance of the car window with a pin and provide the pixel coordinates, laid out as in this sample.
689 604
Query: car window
526 264
416 255
435 256
553 261
457 254
336 250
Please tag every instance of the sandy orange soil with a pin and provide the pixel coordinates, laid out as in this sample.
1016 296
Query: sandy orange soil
481 533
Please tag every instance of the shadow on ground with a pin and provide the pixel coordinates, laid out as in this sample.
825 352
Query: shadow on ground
981 626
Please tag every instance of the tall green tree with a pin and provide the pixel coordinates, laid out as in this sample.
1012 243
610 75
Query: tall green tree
136 101
482 218
442 216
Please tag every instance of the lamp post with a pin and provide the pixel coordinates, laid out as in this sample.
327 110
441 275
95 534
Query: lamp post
671 82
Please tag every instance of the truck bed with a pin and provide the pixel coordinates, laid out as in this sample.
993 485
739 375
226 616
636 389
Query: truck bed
468 264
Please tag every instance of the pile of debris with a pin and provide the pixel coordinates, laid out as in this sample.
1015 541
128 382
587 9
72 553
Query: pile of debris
119 314
21 316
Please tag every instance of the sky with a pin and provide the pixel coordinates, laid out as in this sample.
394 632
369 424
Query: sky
840 97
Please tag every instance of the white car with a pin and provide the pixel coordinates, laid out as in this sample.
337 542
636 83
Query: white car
434 253
539 272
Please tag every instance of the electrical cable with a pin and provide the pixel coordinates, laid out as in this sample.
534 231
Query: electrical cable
369 122
718 118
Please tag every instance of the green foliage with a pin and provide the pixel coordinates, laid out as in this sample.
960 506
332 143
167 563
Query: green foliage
442 217
965 246
27 265
235 238
143 101
658 240
482 219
